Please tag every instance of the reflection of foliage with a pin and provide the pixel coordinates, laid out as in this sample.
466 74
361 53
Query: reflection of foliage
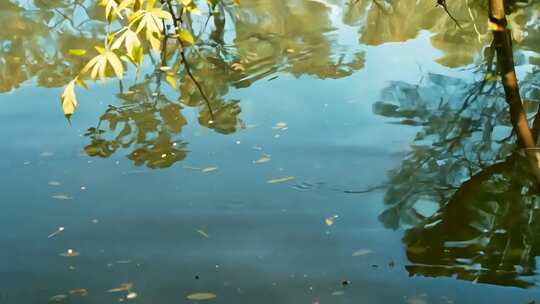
468 199
382 21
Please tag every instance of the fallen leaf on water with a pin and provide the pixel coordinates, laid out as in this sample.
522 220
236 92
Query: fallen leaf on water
131 295
330 220
123 262
46 154
280 126
202 233
201 296
58 298
54 183
280 180
209 169
60 229
62 197
264 159
122 287
362 252
70 253
80 292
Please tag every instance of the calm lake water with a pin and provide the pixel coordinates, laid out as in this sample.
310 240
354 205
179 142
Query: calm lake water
324 180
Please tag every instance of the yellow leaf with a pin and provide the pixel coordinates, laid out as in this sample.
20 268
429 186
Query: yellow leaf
201 296
77 52
185 36
68 99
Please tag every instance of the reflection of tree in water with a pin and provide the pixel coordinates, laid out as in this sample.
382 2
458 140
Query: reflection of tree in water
147 122
464 190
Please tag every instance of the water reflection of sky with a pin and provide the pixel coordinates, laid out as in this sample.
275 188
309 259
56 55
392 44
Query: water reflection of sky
268 243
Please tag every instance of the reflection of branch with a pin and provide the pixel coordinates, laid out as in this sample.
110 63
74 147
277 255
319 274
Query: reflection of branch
184 59
443 4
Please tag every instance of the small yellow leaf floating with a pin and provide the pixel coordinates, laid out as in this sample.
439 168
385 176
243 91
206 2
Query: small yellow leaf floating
79 292
209 169
201 232
58 298
122 287
77 52
70 253
330 220
201 296
264 159
62 197
361 252
280 180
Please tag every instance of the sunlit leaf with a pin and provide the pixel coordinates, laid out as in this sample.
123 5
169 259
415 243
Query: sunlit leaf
280 180
69 99
201 296
77 52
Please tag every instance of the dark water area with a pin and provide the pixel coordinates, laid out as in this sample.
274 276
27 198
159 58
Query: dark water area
342 166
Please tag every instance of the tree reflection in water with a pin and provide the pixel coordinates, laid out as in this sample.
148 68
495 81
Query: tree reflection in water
464 192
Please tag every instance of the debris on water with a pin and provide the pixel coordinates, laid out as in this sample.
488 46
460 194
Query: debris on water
263 159
95 221
26 163
46 154
201 296
257 148
391 264
79 292
338 293
197 277
209 169
203 233
60 229
58 298
281 126
70 253
54 183
305 186
374 265
330 220
123 262
131 295
122 287
361 252
83 188
345 282
237 142
62 197
280 180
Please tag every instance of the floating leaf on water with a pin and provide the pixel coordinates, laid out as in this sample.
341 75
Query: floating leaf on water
201 296
280 126
123 262
362 252
70 253
80 292
280 180
264 159
330 220
338 293
62 197
191 168
131 295
54 183
60 229
201 232
46 154
209 169
122 287
58 298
